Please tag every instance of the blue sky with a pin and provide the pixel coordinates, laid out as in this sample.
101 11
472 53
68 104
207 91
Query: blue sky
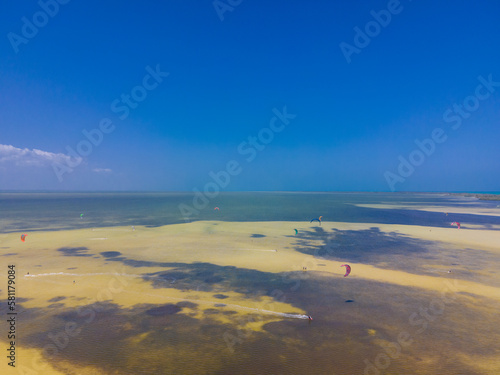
354 120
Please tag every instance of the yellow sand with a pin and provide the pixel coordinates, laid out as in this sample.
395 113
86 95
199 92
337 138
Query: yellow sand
219 243
464 209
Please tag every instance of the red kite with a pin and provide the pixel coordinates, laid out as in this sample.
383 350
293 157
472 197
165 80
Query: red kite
347 269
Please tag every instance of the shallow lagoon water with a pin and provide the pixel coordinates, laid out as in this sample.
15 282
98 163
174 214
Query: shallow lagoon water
45 211
226 292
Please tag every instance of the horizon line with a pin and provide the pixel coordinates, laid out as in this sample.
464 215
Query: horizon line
10 191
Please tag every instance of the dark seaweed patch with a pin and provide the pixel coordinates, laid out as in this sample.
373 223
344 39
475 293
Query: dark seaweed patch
56 299
168 309
211 311
110 254
75 251
187 304
55 305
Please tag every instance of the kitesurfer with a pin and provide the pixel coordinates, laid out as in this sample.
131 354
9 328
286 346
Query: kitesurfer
347 269
318 220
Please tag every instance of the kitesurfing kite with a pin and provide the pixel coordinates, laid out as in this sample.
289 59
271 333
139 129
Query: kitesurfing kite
347 269
23 237
318 220
216 209
456 223
296 231
81 216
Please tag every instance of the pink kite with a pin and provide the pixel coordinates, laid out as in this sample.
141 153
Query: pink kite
216 209
23 237
456 223
347 269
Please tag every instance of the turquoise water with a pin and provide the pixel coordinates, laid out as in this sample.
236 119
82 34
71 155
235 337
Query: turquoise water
52 211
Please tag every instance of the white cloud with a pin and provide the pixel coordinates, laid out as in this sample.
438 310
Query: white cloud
25 157
102 170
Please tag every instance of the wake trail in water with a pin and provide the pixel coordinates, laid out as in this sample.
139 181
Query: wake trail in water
285 315
90 274
238 307
111 230
274 250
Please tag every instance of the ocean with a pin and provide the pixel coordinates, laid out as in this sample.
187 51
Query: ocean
61 211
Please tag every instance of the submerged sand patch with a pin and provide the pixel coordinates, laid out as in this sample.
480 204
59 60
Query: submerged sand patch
446 210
